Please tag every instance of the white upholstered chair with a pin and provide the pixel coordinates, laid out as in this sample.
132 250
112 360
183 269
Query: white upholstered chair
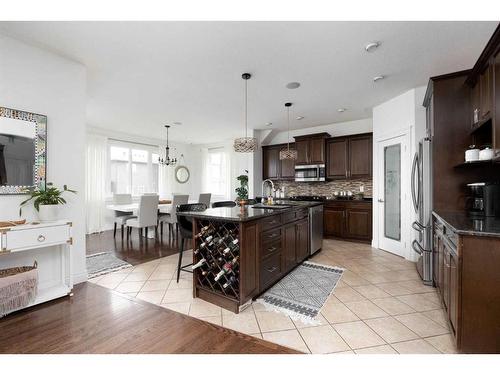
121 216
147 215
170 218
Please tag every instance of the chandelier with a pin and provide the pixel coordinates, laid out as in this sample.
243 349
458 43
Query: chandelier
287 154
167 161
246 143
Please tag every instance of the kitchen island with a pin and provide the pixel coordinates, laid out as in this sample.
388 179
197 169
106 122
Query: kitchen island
238 253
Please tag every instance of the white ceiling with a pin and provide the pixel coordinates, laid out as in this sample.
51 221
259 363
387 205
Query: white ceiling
142 75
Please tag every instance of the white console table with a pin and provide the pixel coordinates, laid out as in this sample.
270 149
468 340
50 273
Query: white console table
50 245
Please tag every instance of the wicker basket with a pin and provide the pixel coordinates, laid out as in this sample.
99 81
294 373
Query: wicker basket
18 288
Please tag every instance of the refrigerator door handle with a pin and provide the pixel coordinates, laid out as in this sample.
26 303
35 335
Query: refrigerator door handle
415 168
417 248
417 226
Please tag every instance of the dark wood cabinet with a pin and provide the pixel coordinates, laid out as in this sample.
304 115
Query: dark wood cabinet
337 158
289 247
486 92
348 219
453 294
311 149
302 240
274 168
360 156
349 157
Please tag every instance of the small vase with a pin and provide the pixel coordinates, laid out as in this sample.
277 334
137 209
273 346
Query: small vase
48 212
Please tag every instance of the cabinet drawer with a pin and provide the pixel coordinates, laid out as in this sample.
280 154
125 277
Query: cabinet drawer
270 249
271 222
16 240
271 235
270 270
289 217
301 214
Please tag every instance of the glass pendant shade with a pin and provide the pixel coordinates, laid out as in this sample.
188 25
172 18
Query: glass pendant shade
246 143
288 154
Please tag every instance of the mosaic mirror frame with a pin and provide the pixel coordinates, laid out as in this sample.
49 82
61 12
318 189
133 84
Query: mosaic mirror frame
40 155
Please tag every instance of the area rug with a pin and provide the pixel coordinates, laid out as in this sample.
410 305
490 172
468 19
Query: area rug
103 263
303 292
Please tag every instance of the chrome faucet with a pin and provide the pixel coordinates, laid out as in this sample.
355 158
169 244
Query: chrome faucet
264 183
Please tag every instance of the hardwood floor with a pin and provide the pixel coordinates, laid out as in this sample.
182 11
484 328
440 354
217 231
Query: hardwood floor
97 320
135 250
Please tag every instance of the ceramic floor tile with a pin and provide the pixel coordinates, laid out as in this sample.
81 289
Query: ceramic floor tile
200 308
180 307
439 316
347 294
358 335
415 347
383 349
319 320
258 335
338 313
416 286
366 309
272 321
371 291
182 284
323 339
418 302
393 306
443 343
242 322
217 320
153 285
177 295
152 296
137 276
290 339
421 325
129 286
391 330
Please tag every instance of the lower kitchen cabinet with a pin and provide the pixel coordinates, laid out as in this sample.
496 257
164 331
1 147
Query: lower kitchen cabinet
350 220
302 240
467 279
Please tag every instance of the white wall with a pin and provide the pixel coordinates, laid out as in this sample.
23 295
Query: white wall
402 115
34 80
335 130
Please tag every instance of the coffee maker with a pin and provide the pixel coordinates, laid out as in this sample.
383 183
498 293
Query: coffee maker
484 200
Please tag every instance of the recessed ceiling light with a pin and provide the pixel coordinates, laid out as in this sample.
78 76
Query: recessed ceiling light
269 123
372 46
299 117
378 78
341 110
293 85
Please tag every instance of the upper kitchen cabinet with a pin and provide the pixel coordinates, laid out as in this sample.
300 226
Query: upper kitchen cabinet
349 157
311 149
274 168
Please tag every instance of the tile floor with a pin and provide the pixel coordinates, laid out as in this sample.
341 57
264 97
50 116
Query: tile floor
380 306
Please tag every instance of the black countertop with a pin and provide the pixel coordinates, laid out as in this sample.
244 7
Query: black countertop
248 213
465 225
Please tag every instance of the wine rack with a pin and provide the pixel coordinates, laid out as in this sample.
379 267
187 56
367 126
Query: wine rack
216 264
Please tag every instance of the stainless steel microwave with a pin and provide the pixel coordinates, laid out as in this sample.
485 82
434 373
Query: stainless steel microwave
310 173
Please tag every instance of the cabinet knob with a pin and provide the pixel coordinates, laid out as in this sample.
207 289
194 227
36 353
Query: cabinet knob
41 238
271 270
381 201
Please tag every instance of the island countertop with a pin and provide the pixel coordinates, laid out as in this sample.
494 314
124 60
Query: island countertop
465 225
236 214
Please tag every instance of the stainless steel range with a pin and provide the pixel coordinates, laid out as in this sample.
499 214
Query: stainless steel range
315 220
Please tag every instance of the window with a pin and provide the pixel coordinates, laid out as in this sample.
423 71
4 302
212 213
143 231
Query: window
133 169
216 173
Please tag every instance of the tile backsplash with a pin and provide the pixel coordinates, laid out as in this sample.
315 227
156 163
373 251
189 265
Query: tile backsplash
324 188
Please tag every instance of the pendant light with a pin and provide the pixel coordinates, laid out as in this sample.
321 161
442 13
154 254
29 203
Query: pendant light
246 143
287 154
167 161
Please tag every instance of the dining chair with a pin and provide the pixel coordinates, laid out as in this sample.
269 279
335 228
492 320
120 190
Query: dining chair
122 216
147 215
223 204
186 231
205 198
170 218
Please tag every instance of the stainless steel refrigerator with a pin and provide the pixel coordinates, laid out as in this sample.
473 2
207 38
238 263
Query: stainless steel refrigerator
421 191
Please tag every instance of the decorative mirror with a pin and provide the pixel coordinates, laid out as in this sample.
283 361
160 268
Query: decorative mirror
23 152
181 174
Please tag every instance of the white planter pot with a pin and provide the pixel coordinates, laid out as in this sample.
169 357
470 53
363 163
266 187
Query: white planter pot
48 212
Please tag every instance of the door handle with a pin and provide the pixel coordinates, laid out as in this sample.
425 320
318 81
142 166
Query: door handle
415 168
381 201
417 226
416 247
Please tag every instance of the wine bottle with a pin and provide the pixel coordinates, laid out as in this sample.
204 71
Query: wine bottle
199 264
229 282
202 232
226 268
232 246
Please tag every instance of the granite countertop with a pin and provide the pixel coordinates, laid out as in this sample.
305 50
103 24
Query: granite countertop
248 214
463 224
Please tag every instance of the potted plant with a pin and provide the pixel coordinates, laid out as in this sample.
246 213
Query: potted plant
46 201
242 190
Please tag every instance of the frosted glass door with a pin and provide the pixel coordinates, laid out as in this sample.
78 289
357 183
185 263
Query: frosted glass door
392 192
